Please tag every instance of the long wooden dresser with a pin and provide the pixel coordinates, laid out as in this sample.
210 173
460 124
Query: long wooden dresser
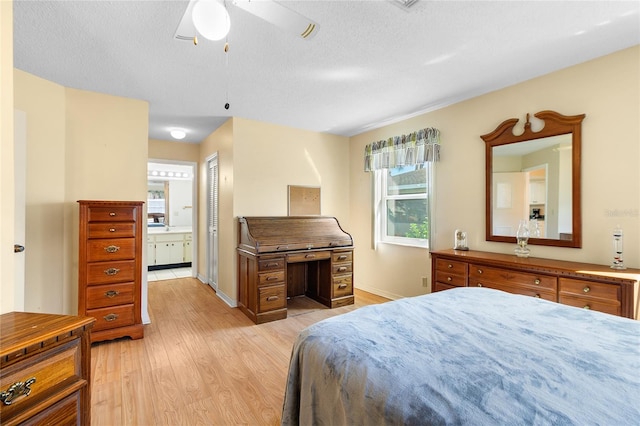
583 285
110 267
45 368
289 256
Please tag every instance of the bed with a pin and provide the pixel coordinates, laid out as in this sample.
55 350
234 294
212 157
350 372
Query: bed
467 356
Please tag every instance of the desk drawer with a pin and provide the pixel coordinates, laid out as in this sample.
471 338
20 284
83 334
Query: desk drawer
111 249
270 278
100 296
111 214
271 298
47 373
343 256
342 285
111 230
110 272
342 268
306 257
271 264
112 317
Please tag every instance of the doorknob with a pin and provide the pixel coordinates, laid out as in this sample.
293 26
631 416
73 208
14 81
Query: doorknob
17 248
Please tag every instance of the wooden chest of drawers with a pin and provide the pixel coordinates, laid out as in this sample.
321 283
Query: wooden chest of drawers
110 267
45 366
577 284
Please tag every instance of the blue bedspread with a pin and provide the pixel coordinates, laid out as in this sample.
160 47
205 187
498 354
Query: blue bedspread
468 356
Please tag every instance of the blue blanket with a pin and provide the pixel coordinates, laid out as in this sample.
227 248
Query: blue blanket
468 356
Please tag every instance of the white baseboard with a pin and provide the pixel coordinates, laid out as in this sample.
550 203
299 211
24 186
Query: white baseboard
228 300
379 292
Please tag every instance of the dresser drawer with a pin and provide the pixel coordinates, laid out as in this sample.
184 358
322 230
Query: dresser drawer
541 293
342 286
110 272
341 268
306 257
48 373
589 289
271 298
111 230
111 249
100 296
590 303
343 256
487 276
446 277
270 278
451 267
112 317
271 264
65 412
111 214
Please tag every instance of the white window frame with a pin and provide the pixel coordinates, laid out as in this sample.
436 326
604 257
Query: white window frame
380 213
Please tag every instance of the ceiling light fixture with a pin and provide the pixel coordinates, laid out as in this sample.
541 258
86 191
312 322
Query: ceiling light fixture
211 19
178 134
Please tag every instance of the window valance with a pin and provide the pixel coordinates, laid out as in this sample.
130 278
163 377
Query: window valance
415 148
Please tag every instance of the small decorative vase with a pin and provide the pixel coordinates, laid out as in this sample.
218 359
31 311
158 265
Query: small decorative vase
522 237
618 262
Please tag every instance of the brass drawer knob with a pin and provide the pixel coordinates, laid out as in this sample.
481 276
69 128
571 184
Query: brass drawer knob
111 271
17 390
449 266
480 271
586 289
272 298
272 278
448 278
537 296
342 269
111 293
272 265
537 281
586 307
309 256
112 214
341 286
111 249
479 284
112 229
110 317
343 257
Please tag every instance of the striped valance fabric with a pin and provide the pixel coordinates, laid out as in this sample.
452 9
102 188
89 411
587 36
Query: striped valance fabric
415 148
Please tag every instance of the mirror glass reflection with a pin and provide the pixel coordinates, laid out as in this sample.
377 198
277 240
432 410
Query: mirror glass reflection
532 180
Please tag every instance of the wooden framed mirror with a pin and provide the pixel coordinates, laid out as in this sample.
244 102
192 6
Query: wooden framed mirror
535 175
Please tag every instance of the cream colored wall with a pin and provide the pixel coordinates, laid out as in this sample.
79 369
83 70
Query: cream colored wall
44 103
7 194
607 90
175 151
257 161
80 145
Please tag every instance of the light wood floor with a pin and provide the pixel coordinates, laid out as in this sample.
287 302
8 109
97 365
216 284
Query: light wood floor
200 362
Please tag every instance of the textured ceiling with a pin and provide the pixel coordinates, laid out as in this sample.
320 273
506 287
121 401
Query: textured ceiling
371 62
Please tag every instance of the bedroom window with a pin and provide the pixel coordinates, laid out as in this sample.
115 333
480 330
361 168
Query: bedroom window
403 205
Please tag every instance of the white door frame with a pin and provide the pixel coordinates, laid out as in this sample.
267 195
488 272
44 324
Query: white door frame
212 250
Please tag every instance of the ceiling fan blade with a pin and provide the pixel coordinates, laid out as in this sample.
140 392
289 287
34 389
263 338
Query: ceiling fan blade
280 16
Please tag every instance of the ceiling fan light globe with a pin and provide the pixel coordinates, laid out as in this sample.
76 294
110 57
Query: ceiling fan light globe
211 19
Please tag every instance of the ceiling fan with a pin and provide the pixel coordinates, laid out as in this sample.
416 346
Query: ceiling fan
210 19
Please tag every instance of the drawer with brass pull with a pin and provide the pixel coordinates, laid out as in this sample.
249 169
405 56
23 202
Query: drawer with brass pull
113 316
305 257
342 256
270 278
276 263
271 298
342 285
341 268
111 249
111 214
111 230
569 286
100 296
480 274
110 272
590 303
451 273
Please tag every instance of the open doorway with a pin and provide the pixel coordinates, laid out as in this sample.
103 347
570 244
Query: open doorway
171 219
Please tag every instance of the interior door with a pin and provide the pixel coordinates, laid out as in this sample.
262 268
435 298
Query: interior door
20 178
212 221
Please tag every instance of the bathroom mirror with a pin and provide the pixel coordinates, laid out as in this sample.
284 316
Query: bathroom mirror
535 176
